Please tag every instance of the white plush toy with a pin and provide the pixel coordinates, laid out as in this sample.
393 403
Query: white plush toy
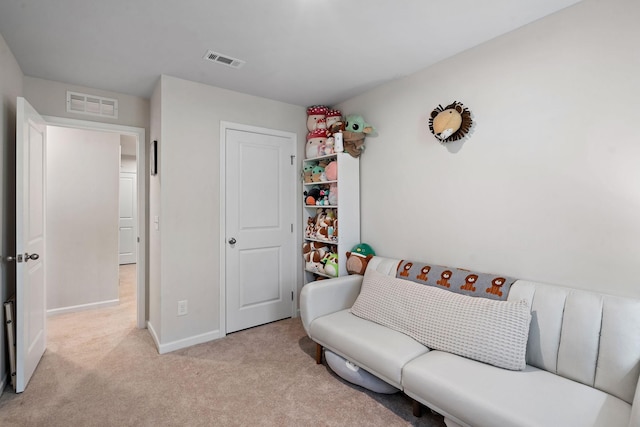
316 141
314 114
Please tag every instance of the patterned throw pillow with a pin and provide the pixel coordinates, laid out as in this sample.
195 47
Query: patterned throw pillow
457 280
493 332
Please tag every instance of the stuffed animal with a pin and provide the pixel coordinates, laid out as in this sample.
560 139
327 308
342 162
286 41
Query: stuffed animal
356 263
313 263
321 247
333 117
330 262
309 229
356 123
331 171
450 123
314 114
363 249
330 145
318 174
323 198
356 129
333 194
322 228
306 248
312 195
358 258
324 231
307 168
315 140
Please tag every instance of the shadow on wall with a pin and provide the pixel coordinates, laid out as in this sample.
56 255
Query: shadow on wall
8 232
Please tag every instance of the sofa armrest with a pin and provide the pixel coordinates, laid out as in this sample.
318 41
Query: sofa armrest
328 296
634 420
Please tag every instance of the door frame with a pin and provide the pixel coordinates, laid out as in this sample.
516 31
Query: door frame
141 206
224 126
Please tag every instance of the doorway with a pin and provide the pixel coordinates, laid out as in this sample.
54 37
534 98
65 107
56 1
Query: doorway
138 134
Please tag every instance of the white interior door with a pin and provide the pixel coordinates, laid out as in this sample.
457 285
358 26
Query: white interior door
260 206
127 224
30 242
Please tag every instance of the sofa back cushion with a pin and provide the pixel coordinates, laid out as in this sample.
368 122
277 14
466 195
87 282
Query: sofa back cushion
489 331
585 336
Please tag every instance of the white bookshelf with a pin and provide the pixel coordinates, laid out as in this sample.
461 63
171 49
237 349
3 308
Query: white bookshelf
347 209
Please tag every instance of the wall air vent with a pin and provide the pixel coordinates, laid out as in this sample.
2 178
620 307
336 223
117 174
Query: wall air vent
220 58
82 103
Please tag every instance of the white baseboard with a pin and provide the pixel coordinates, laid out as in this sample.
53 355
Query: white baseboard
82 307
154 336
183 343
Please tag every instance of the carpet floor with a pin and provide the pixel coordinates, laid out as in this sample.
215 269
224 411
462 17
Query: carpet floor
100 370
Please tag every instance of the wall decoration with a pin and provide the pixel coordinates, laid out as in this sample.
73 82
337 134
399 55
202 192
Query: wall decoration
450 123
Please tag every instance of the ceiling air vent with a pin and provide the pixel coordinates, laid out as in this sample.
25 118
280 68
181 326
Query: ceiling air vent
223 59
93 105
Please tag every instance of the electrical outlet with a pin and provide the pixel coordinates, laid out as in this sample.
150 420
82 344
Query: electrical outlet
182 308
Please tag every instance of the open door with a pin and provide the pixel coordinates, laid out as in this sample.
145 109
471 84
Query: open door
30 242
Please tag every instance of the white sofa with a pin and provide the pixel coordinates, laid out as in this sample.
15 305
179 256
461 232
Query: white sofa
582 358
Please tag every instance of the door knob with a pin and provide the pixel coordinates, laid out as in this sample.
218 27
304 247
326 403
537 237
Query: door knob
19 258
232 241
28 257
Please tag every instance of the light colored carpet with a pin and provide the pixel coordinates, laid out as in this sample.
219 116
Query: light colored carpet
99 370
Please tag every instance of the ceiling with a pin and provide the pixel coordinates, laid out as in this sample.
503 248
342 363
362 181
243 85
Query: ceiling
301 52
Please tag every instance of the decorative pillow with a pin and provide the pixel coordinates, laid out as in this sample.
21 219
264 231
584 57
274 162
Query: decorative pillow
489 331
456 280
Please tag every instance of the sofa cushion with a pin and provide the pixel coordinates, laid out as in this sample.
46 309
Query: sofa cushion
588 337
375 348
480 395
490 331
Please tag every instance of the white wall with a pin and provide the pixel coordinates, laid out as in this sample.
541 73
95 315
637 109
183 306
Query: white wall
190 198
548 185
48 97
83 178
10 87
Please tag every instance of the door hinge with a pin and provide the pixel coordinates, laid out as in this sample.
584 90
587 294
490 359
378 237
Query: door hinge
292 228
291 295
293 156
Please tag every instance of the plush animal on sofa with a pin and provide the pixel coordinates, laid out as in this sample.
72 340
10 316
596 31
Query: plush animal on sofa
359 257
357 264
